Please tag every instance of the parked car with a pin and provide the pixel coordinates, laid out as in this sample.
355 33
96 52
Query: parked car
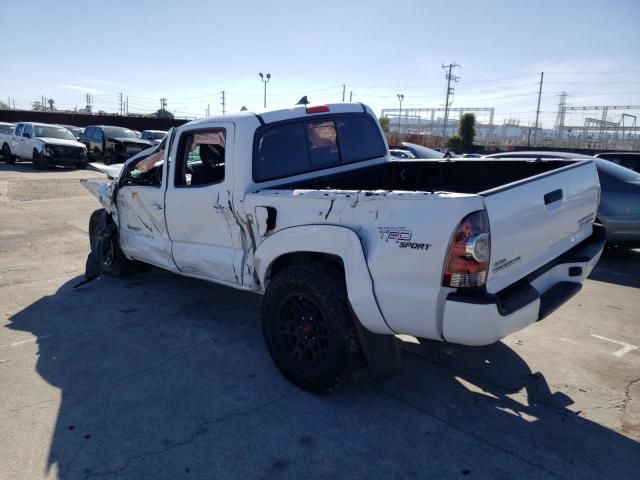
420 151
304 206
6 131
112 144
401 153
46 145
630 160
619 209
75 131
154 136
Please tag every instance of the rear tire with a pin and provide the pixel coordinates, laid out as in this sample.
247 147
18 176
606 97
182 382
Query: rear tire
7 155
308 328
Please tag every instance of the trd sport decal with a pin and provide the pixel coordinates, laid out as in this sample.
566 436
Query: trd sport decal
402 237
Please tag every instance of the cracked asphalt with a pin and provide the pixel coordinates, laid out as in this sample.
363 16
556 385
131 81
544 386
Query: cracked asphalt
156 376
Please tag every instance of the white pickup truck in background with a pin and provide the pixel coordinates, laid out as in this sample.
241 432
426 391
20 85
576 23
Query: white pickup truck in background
6 131
46 145
350 248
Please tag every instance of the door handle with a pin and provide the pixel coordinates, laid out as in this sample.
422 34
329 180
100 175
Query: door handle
552 197
157 205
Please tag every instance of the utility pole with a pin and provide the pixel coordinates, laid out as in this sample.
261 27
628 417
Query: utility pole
121 104
350 96
343 91
450 91
88 107
163 104
127 106
223 103
263 77
207 110
400 99
535 131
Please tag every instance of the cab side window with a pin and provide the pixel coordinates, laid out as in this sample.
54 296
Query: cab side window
28 130
201 158
18 131
147 170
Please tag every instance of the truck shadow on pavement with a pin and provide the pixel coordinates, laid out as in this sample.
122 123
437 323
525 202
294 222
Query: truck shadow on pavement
619 266
163 377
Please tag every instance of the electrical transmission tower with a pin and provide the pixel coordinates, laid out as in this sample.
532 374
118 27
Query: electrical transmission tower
450 78
163 104
562 111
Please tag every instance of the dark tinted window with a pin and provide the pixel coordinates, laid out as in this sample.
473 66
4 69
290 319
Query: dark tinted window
281 151
19 128
307 145
360 139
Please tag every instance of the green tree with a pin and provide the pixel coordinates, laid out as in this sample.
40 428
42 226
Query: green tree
384 123
455 144
467 130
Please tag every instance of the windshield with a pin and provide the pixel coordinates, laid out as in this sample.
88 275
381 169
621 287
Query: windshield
159 135
118 132
45 131
616 171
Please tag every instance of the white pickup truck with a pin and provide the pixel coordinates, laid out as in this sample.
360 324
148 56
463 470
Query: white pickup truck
45 145
350 248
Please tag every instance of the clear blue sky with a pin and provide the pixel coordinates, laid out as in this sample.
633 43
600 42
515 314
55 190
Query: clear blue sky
189 51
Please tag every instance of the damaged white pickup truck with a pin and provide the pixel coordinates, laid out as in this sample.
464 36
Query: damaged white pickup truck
350 248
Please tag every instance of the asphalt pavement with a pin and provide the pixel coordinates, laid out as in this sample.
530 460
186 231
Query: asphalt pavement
157 376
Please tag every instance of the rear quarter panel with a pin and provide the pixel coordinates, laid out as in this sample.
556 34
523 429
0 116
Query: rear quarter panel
405 238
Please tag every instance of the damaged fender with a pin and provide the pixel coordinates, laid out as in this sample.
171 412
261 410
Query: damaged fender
103 191
332 240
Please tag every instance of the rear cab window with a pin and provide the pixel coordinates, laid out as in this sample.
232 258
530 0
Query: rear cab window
305 145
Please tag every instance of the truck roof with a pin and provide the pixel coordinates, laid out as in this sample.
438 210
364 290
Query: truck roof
277 115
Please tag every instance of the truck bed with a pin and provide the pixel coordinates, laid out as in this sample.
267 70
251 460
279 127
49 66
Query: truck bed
461 176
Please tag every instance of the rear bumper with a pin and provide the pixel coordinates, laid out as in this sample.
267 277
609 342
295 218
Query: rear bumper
481 318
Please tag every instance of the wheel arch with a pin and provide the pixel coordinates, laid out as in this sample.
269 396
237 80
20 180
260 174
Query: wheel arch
337 246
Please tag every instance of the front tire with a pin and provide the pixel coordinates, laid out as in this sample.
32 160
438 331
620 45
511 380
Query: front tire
308 328
39 161
110 158
113 262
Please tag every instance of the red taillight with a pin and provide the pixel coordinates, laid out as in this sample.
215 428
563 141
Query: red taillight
317 109
468 260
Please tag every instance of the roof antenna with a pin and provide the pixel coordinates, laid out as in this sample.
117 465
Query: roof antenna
303 101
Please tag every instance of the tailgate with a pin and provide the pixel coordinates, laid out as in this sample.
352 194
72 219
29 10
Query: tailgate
537 219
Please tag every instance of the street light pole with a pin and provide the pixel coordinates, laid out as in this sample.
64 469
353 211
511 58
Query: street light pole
400 99
265 79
